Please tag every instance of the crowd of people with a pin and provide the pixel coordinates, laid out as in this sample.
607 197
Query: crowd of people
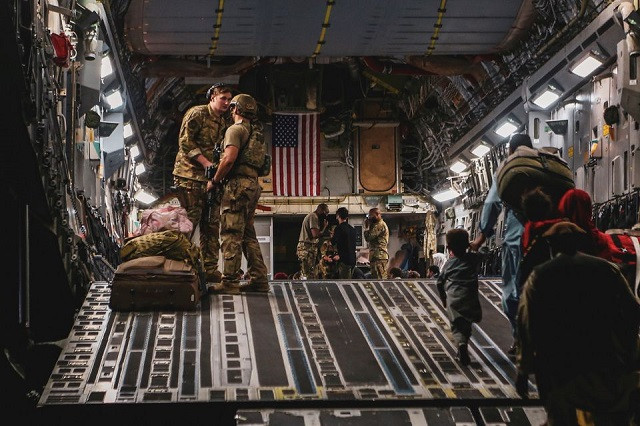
328 252
574 318
572 314
215 173
578 319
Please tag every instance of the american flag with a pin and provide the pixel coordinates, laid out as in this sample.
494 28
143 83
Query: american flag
296 155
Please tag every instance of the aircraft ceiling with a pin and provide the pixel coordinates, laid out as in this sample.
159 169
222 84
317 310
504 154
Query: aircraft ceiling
351 28
441 65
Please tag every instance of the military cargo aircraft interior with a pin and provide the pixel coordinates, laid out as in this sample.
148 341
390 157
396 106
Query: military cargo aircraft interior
322 212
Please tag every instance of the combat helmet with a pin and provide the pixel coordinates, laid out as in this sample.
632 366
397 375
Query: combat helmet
245 105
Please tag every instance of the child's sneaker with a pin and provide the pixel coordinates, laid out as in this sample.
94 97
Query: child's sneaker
463 355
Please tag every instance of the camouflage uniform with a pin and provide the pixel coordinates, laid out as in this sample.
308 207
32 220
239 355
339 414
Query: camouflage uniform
202 129
378 238
239 201
308 246
326 270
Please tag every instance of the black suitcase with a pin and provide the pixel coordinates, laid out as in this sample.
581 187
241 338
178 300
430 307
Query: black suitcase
154 283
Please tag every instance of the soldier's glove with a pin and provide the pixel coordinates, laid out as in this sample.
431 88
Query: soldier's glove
522 385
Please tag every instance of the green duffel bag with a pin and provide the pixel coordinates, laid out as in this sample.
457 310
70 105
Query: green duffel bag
528 168
170 244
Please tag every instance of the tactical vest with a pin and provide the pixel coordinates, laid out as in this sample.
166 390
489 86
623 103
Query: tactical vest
253 154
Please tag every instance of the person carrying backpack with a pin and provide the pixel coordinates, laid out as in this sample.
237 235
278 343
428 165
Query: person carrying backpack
511 248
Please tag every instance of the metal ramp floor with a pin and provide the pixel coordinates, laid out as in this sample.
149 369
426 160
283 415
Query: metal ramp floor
309 352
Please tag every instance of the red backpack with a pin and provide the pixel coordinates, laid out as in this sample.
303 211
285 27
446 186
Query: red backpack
624 246
62 50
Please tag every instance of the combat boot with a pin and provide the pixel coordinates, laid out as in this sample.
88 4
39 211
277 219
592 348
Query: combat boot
255 287
224 288
216 277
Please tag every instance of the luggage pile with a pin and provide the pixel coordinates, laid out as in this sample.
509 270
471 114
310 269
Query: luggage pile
161 270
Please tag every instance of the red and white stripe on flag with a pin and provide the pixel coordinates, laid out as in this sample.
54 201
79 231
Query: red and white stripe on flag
296 155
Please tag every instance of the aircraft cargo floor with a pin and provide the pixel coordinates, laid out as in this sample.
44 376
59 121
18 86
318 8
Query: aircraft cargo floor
309 352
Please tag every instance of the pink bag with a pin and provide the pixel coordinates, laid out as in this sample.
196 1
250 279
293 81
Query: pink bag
169 218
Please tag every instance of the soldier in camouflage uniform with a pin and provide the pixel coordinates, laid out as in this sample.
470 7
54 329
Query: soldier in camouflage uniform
202 128
314 226
327 266
239 200
376 233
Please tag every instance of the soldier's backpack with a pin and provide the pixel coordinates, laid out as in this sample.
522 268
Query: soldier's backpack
254 153
624 246
528 168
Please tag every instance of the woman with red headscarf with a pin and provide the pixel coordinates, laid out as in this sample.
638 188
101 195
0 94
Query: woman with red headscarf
576 206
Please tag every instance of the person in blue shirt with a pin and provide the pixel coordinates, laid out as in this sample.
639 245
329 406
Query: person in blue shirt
511 244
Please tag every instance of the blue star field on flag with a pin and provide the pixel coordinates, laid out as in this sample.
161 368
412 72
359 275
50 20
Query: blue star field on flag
285 131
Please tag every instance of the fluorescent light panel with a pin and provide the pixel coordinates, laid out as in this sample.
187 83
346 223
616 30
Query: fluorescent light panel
106 69
127 131
134 151
140 169
546 98
446 195
481 150
506 129
458 167
114 99
144 197
586 66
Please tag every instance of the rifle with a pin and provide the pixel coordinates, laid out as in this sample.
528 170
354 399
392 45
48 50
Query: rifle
209 173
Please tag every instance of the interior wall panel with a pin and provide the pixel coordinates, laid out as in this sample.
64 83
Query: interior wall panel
377 159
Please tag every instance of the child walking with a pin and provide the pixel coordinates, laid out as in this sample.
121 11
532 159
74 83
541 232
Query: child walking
458 288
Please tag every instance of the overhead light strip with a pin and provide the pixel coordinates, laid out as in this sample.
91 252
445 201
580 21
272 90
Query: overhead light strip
325 25
436 28
216 28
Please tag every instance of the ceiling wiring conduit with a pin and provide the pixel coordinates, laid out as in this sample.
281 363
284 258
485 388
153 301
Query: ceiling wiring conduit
563 31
